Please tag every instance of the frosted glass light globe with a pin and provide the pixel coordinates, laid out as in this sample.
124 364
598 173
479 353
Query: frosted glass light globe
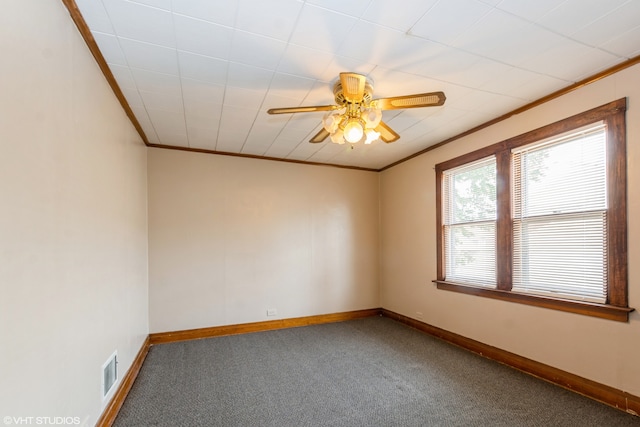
353 131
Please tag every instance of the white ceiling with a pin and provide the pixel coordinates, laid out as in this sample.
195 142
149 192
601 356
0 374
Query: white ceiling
202 73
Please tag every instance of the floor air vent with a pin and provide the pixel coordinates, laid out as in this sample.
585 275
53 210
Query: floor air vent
109 374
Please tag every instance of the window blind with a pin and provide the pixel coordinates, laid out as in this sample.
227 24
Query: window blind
560 216
469 219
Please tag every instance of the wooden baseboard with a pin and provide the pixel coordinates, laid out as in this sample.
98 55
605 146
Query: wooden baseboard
617 398
217 331
111 411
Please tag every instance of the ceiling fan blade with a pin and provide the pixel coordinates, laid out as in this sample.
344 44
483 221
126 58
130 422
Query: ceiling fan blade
352 86
386 133
320 136
289 110
431 99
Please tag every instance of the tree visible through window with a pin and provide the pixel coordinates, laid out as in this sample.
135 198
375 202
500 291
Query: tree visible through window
470 223
540 218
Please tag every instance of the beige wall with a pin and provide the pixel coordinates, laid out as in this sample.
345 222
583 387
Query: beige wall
73 220
232 237
601 350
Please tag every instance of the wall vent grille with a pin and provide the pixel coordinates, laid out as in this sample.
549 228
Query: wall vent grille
109 374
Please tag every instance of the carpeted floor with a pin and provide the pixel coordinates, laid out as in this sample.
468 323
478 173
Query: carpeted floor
367 372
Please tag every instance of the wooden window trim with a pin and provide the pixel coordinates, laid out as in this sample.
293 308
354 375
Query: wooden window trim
616 306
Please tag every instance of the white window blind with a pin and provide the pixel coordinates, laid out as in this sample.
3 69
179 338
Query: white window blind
469 219
560 215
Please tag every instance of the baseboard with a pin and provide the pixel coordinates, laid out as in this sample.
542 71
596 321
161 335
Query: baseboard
611 396
600 392
243 328
111 411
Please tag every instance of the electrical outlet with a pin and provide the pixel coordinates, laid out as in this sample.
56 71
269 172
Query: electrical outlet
272 312
419 315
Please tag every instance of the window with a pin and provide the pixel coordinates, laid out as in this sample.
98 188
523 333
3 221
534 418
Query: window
540 219
470 223
560 216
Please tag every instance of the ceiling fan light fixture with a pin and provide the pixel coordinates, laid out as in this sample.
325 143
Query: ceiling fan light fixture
331 121
338 137
356 116
353 130
371 135
372 117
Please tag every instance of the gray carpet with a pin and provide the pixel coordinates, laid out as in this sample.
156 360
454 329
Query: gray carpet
368 372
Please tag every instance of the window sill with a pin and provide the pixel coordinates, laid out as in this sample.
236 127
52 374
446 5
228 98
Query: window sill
604 311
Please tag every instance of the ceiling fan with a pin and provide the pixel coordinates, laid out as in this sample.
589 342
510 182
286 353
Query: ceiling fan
356 116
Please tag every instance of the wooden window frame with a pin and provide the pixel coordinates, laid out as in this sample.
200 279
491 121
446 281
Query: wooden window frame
616 305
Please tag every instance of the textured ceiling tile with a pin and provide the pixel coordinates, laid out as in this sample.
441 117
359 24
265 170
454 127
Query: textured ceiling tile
303 151
394 15
396 83
489 103
253 49
202 93
504 37
247 98
437 24
95 15
203 141
304 62
288 85
218 11
352 7
507 80
626 44
260 138
274 18
149 81
231 139
326 152
341 64
167 123
282 148
529 10
298 134
448 64
572 15
160 4
275 100
371 43
249 77
320 94
305 121
150 57
583 59
163 101
539 87
202 37
139 22
238 117
204 118
321 29
204 68
202 136
609 26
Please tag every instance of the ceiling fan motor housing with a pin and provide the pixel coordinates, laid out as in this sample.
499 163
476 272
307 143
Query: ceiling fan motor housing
341 100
